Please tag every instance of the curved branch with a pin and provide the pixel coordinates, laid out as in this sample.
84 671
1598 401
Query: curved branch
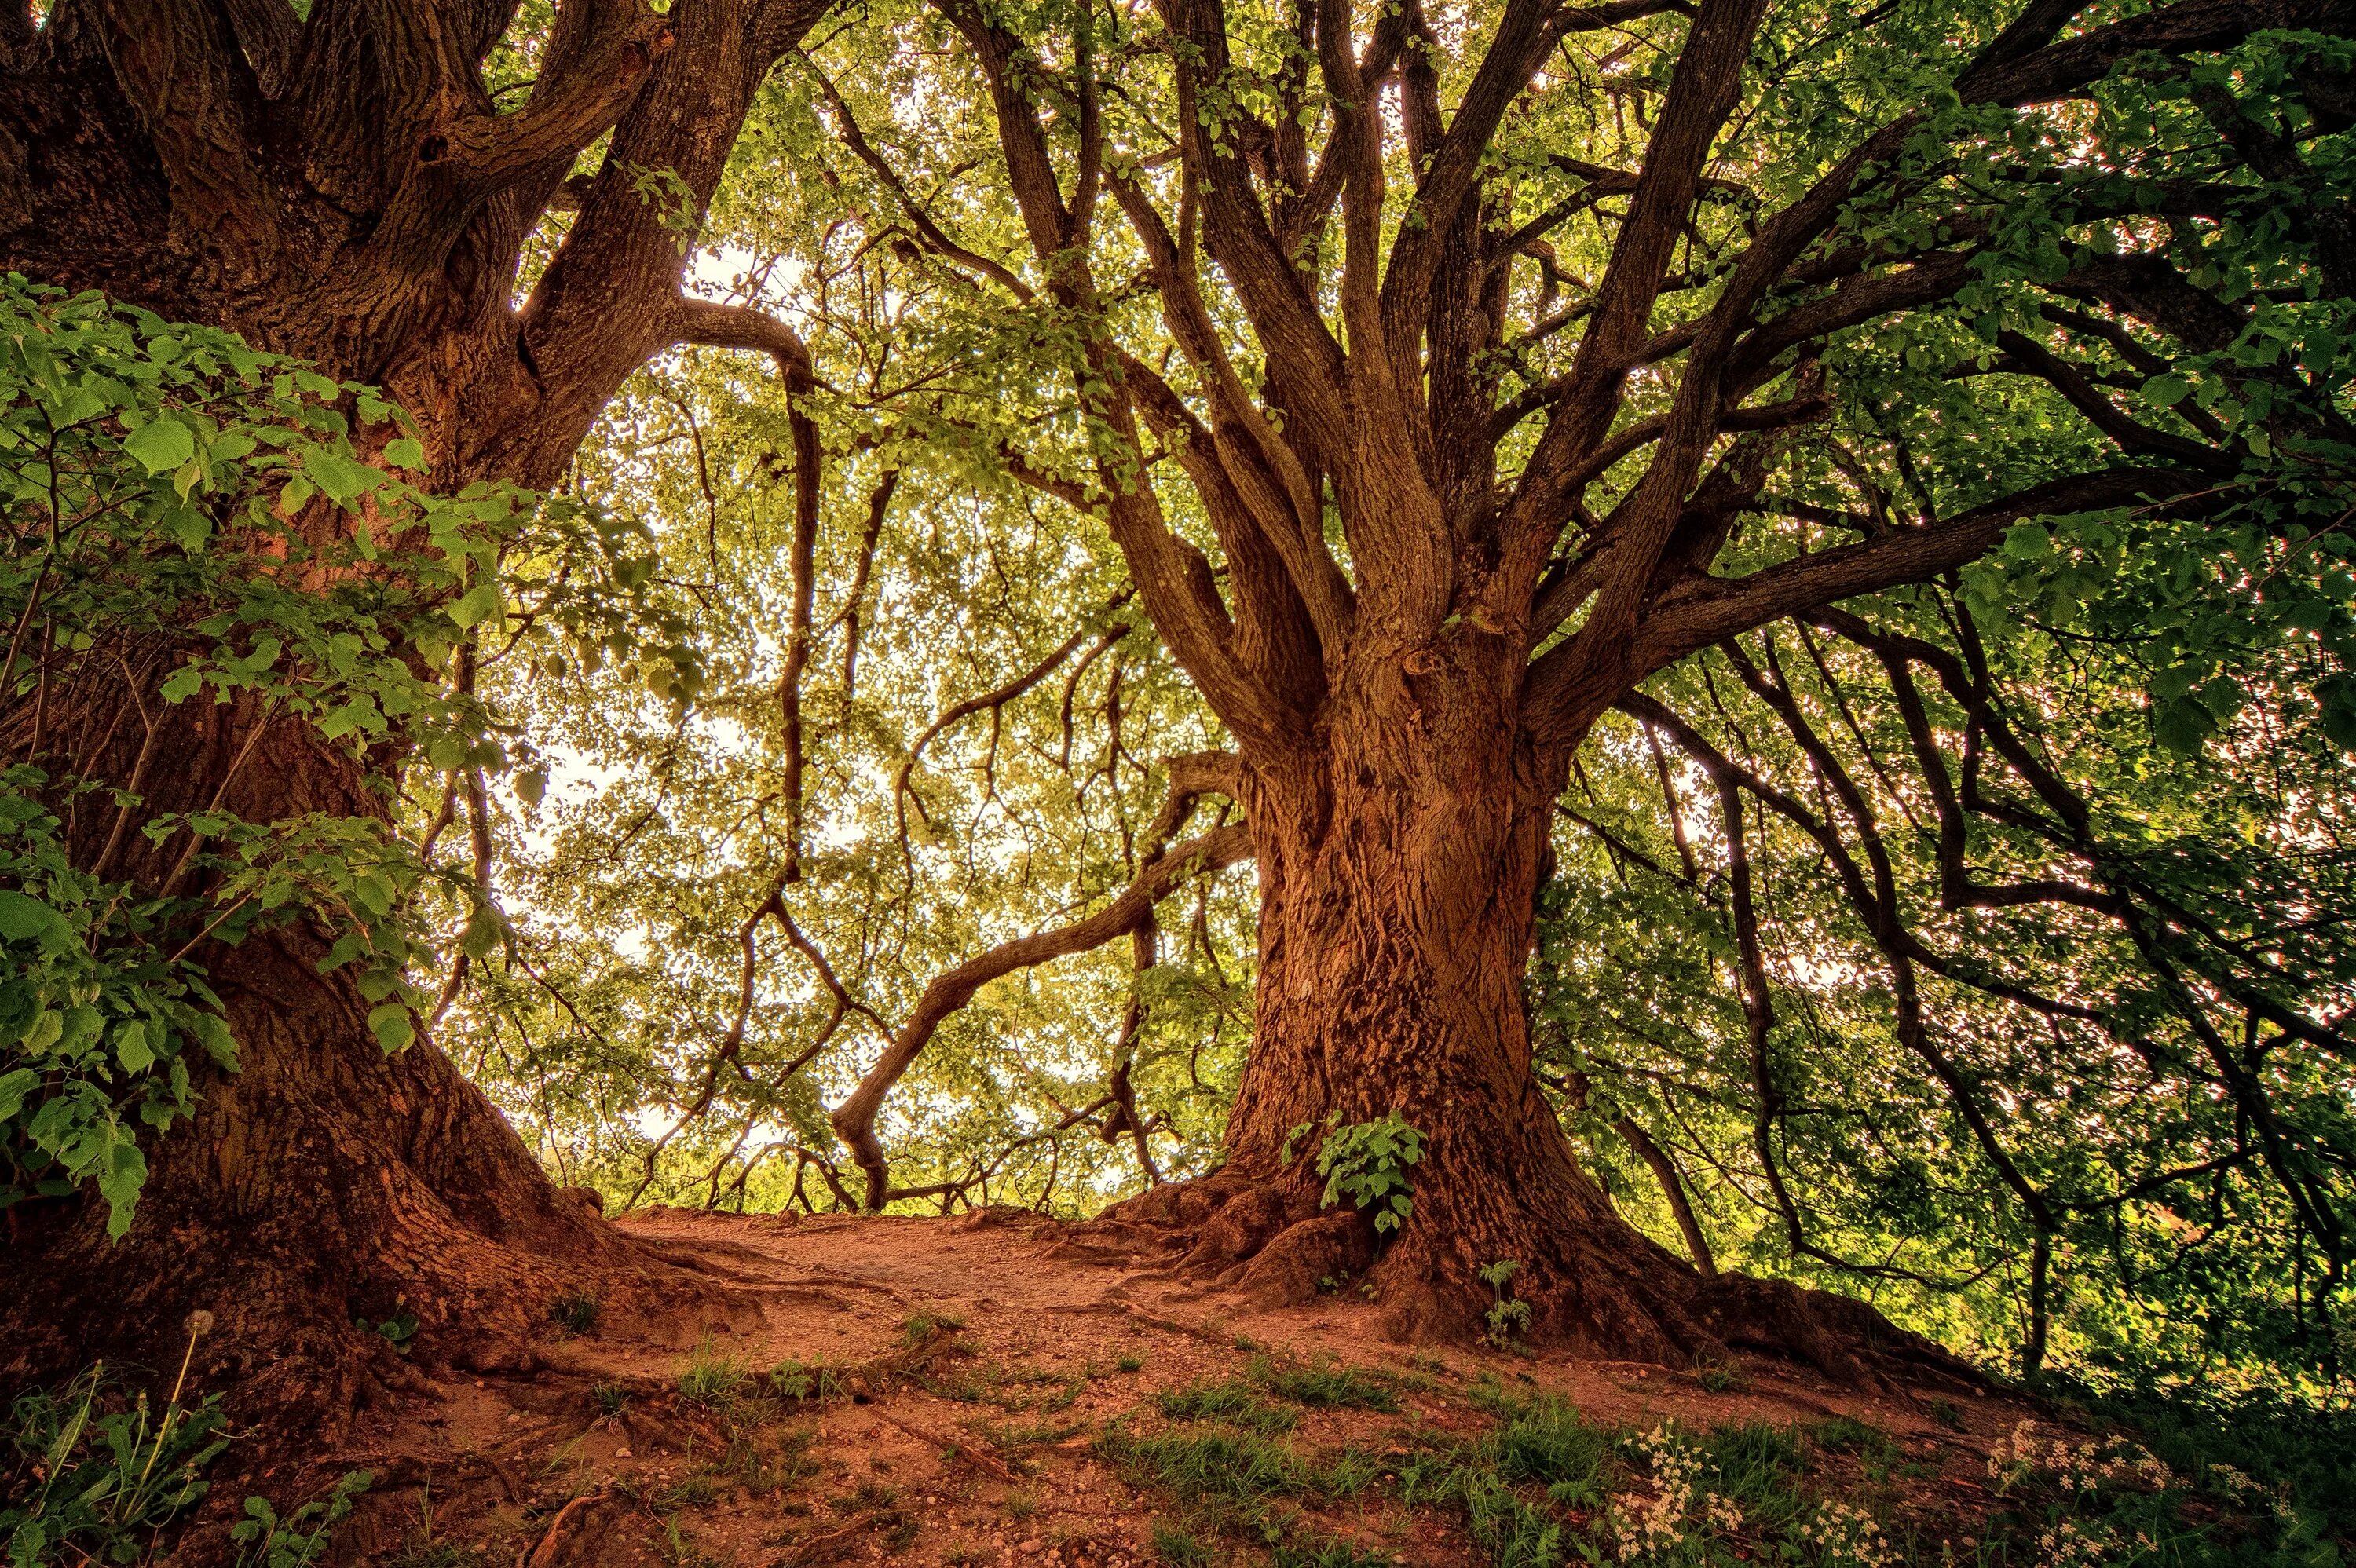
854 1119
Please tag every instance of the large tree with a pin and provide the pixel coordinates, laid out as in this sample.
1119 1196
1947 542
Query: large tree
362 186
1438 378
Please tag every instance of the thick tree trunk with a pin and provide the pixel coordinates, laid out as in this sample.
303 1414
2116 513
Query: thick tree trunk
325 1188
346 191
1399 868
1399 873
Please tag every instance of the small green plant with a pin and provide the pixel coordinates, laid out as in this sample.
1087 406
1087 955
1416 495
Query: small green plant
1721 1378
1330 1555
1366 1162
610 1398
1180 1548
800 1380
95 1469
712 1379
397 1331
922 1325
423 1548
1326 1386
1131 1364
575 1312
422 1552
298 1538
1020 1506
698 1490
1509 1318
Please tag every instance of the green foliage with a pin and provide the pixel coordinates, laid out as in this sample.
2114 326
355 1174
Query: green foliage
923 1325
1508 1317
800 1380
714 1378
1232 1478
397 1331
300 1537
1366 1162
97 1014
1182 1548
1326 1385
159 492
1330 1555
93 1473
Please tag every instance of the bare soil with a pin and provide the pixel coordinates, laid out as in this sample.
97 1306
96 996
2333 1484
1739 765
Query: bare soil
969 1438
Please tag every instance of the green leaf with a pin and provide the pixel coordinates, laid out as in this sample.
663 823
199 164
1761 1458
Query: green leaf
121 1174
161 445
23 918
131 1047
15 1086
481 935
406 451
390 1023
478 604
213 1033
339 476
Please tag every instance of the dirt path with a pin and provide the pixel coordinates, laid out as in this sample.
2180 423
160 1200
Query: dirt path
967 1391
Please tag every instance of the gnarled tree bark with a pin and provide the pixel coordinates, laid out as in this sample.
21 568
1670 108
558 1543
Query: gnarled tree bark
344 187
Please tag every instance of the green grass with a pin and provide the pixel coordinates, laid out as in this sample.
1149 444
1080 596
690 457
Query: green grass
1234 1465
575 1312
1538 1487
1548 1442
95 1470
1328 1554
1182 1548
1327 1386
1008 1437
922 1325
712 1379
697 1489
1759 1466
1232 1403
801 1380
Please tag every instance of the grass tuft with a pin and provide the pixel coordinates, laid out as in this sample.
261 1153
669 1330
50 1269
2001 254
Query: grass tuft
1231 1404
712 1379
575 1312
1327 1386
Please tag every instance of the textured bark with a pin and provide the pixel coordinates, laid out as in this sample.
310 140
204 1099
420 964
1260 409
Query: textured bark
344 188
1399 869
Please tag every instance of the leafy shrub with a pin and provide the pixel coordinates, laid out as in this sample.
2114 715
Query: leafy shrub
1366 1162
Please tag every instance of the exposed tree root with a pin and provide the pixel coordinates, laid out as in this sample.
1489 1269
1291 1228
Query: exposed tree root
1600 1291
343 1218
